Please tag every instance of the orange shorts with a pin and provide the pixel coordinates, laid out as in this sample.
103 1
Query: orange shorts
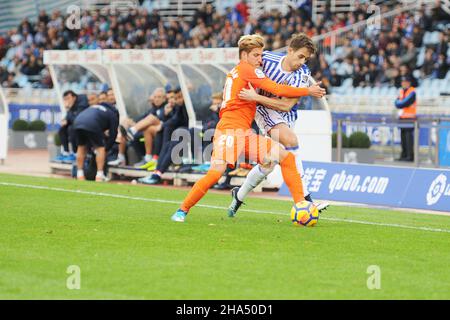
230 145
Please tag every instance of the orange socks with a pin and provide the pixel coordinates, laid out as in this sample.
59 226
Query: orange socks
200 188
292 178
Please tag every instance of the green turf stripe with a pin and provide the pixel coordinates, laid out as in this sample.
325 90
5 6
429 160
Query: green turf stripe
102 194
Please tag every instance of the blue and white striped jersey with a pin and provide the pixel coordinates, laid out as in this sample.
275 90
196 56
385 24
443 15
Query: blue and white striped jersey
273 70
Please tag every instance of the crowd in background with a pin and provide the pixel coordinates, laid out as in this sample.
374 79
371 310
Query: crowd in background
373 58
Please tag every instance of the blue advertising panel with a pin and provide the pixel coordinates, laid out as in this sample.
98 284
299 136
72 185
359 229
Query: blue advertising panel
378 185
429 189
50 114
444 144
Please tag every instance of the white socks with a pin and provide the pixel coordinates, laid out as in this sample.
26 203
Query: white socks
148 158
121 157
80 173
254 177
100 175
258 173
133 130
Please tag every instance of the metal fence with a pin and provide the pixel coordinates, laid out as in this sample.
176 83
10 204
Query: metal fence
425 154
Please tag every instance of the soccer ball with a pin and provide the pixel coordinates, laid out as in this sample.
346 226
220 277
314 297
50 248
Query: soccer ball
304 213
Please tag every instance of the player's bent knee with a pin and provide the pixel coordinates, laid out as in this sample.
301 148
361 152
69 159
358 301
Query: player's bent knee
267 166
290 141
218 165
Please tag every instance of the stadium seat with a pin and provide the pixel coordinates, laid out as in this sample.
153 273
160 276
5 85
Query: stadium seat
384 91
393 91
347 83
367 91
375 91
426 83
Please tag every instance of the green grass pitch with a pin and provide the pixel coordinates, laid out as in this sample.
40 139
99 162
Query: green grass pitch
127 248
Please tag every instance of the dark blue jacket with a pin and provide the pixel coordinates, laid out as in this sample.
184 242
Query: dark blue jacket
81 103
98 119
177 118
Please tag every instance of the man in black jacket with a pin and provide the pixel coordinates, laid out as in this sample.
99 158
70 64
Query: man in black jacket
179 119
90 127
146 127
74 104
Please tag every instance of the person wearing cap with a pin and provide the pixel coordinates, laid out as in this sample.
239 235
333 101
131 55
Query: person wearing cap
406 103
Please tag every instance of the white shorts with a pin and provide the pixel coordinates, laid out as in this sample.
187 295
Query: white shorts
267 118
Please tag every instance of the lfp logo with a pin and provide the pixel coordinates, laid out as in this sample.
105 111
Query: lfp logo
438 188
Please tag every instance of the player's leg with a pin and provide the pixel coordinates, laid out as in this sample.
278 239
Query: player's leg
282 133
265 119
81 153
289 171
149 133
141 125
268 153
226 150
256 175
199 189
121 159
100 155
98 143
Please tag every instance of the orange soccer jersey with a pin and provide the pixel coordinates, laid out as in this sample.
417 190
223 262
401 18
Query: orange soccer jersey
236 113
233 135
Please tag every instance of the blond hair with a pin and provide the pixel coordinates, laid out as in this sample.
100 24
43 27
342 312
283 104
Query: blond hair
249 42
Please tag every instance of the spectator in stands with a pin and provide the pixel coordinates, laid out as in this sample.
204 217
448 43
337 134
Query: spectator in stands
335 79
10 83
442 67
31 66
359 76
405 71
74 105
426 70
409 56
406 103
139 29
442 46
146 127
178 120
243 10
90 127
3 74
373 74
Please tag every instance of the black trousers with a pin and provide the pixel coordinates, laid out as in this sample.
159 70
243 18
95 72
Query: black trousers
67 135
165 156
407 141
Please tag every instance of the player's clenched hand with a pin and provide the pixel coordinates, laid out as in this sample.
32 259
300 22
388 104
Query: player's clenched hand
248 94
316 91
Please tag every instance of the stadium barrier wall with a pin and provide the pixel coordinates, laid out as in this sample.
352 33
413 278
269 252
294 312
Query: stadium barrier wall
50 114
377 185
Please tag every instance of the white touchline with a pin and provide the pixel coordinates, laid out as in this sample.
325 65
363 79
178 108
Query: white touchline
112 195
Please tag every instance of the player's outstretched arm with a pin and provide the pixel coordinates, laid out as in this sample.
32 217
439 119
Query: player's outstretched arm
284 104
257 78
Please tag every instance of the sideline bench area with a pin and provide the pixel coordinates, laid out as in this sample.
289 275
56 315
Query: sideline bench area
175 178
